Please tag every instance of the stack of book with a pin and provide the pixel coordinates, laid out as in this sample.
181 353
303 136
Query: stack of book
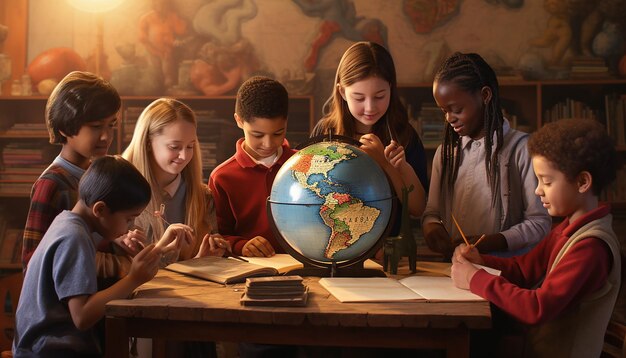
129 120
588 67
432 124
508 74
275 291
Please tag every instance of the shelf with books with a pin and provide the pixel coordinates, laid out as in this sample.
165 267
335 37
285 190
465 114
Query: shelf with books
24 147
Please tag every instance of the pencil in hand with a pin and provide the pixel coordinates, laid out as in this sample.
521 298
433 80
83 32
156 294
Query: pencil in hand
479 240
229 253
461 231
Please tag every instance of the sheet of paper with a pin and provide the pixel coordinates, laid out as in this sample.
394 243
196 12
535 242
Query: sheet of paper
374 289
443 268
438 288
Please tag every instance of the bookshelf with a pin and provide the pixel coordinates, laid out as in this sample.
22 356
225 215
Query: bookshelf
530 104
25 151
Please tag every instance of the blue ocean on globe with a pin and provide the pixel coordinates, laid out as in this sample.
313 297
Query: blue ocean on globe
331 202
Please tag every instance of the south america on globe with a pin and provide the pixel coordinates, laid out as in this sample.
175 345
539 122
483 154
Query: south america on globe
331 202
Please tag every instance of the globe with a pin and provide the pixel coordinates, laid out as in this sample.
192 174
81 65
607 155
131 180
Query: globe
330 203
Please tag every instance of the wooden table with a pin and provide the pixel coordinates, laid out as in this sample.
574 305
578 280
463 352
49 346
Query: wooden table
178 307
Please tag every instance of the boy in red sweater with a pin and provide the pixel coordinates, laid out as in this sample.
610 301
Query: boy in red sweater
241 185
564 290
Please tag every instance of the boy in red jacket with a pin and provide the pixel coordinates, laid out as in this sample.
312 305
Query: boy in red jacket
564 290
241 185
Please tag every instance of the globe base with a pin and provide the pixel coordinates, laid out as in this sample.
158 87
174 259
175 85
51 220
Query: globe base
338 272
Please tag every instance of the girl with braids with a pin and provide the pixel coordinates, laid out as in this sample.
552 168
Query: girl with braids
365 106
482 174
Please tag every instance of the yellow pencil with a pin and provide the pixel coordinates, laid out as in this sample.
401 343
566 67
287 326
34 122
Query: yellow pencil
478 241
461 231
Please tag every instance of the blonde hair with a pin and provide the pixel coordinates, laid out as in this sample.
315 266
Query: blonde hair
152 121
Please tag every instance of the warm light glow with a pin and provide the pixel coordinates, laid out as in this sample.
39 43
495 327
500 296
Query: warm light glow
96 6
295 192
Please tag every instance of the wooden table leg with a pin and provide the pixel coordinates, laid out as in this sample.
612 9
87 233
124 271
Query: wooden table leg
116 338
458 344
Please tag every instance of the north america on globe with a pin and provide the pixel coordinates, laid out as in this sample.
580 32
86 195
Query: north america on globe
347 216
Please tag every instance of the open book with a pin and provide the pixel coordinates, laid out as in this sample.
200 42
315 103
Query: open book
413 288
226 270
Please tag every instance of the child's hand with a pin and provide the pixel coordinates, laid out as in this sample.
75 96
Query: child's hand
470 253
213 245
132 242
258 247
372 145
175 237
437 239
395 155
145 265
462 271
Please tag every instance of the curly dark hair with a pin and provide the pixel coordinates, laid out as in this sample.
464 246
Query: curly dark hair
261 97
577 145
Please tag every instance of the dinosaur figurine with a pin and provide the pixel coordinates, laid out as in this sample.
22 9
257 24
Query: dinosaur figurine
396 247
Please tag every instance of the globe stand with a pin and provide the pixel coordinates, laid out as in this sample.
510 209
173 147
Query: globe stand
355 270
396 247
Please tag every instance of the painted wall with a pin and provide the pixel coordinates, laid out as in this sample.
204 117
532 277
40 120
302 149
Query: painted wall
276 36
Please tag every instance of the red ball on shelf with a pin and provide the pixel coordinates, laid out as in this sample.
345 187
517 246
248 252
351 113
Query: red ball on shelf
55 63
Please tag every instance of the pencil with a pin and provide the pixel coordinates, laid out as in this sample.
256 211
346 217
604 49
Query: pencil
161 213
389 129
479 240
461 231
229 253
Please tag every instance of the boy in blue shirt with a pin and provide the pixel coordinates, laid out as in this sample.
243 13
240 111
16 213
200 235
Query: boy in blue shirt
60 302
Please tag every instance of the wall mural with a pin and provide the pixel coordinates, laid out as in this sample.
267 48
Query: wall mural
339 19
425 15
209 47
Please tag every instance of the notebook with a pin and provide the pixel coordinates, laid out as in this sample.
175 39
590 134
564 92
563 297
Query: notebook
384 289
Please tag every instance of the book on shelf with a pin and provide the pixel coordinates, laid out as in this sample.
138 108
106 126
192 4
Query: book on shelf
615 116
129 120
409 289
12 187
569 108
227 270
11 248
588 67
616 193
431 122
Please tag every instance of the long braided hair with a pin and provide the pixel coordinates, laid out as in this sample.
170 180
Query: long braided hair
471 73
